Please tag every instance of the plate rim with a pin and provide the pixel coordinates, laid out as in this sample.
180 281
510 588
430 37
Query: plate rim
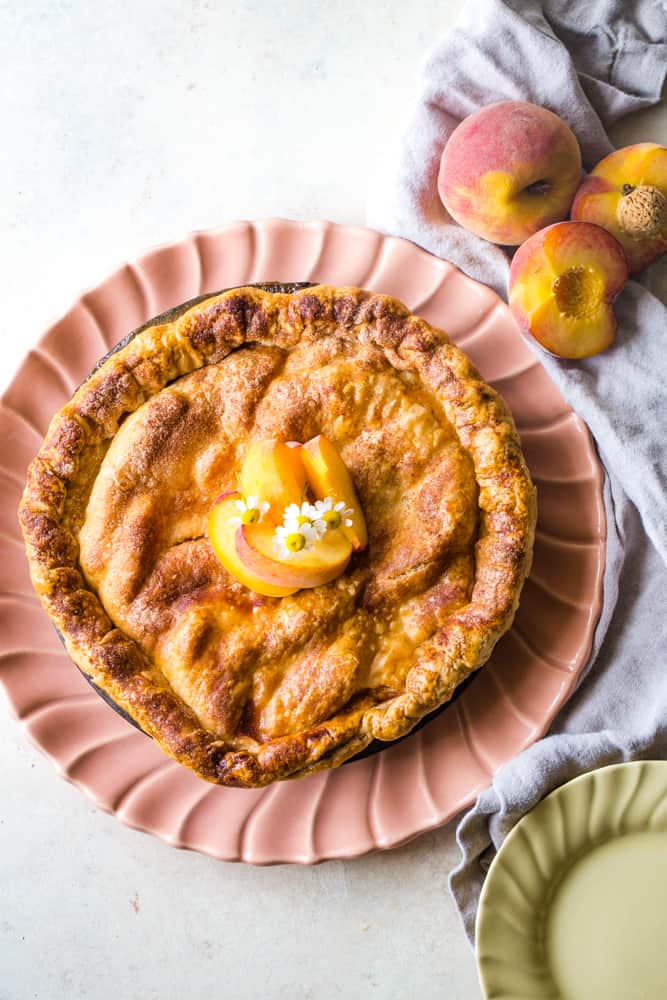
605 773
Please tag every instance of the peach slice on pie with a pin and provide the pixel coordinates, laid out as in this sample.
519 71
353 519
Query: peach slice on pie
222 536
323 561
251 551
328 476
274 472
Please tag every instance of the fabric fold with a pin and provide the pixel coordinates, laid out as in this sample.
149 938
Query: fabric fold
591 64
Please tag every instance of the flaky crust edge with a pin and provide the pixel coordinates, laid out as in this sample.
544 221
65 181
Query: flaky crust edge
72 452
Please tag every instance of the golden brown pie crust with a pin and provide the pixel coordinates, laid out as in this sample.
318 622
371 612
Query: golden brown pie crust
243 689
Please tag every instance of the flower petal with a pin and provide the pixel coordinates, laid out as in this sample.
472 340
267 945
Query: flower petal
308 532
240 505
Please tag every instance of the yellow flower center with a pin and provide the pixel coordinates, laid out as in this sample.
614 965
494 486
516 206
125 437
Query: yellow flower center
332 519
250 516
302 519
295 541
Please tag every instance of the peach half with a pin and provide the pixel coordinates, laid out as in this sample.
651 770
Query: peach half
328 476
274 471
626 193
509 170
222 536
563 281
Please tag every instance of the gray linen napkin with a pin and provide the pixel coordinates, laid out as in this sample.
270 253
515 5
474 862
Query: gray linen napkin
591 63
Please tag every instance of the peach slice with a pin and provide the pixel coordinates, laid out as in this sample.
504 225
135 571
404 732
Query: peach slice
274 471
508 170
324 561
328 476
222 536
563 281
626 194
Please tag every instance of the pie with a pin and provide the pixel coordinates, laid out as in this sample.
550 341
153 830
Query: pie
247 689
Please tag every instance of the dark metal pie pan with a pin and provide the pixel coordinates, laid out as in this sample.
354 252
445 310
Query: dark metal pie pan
168 317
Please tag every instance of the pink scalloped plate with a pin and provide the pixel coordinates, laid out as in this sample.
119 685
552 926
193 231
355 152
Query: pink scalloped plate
414 785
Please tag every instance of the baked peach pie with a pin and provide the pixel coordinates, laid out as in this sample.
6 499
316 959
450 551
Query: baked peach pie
275 526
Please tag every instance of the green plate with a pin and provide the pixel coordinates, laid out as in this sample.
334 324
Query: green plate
575 903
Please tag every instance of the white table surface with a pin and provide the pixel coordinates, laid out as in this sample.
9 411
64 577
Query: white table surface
125 125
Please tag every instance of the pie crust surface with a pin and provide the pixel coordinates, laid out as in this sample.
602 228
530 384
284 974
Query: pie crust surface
246 689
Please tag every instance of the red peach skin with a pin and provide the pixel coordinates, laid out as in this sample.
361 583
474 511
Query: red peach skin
509 170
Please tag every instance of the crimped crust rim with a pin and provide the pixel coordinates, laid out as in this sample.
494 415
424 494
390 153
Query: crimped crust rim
204 334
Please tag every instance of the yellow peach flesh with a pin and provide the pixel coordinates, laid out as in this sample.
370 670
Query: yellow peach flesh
562 284
274 472
328 476
324 561
222 536
572 336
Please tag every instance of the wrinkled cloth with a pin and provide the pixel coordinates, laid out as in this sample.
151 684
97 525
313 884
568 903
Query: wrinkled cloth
591 63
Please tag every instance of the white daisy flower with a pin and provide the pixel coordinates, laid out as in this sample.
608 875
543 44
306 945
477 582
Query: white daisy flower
299 513
251 511
292 539
333 515
296 516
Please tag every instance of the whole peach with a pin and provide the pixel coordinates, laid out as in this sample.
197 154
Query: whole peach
509 170
626 193
563 282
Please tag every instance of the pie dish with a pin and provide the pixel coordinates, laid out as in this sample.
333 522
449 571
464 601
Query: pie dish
246 690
